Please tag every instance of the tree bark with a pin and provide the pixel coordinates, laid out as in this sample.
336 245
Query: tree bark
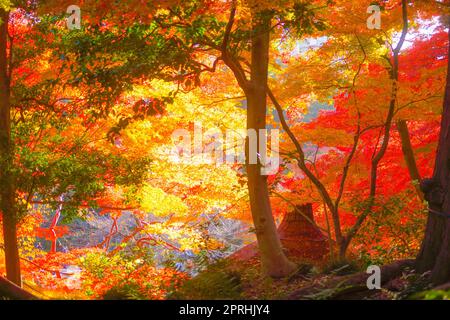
7 193
376 159
408 155
273 259
435 250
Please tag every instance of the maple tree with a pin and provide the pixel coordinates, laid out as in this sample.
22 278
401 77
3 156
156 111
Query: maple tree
359 98
51 161
77 114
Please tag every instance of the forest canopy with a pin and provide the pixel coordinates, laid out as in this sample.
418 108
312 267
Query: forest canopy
192 149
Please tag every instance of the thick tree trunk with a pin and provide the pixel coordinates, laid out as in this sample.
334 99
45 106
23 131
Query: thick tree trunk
435 250
274 261
7 193
431 243
408 155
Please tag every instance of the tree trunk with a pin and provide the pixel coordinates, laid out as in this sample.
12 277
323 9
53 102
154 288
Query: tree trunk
408 155
435 251
7 193
274 261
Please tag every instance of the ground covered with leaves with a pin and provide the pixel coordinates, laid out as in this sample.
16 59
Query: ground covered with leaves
231 280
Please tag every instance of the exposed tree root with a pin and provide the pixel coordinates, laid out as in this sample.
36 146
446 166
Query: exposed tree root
445 286
342 286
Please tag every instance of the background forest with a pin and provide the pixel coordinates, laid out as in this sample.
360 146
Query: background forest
96 204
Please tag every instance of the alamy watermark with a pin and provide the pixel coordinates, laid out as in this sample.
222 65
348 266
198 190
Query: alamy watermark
374 280
374 20
214 147
74 20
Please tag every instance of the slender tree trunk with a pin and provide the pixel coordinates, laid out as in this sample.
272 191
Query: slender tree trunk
408 155
435 251
376 159
273 259
7 191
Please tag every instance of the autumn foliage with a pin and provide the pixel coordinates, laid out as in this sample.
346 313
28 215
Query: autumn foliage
102 208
